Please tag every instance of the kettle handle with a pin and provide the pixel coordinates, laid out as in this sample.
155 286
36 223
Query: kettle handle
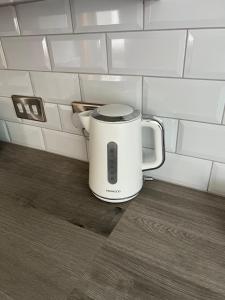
159 144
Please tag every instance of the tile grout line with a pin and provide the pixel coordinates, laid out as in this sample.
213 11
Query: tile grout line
223 116
143 17
31 82
210 175
177 136
114 31
80 87
185 53
113 74
82 100
180 154
60 117
33 125
17 20
4 55
71 16
7 127
107 51
142 95
13 4
51 101
43 138
49 54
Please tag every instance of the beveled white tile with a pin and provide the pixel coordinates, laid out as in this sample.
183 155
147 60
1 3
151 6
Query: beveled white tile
147 53
26 135
205 56
65 144
3 64
224 118
79 53
52 116
70 121
26 53
111 89
15 1
200 100
15 82
165 14
8 21
202 140
4 135
217 180
170 131
7 111
45 17
107 15
183 170
56 87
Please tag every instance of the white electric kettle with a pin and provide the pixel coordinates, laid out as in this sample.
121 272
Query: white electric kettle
115 150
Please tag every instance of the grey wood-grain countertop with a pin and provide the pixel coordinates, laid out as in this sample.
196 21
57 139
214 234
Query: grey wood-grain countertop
59 242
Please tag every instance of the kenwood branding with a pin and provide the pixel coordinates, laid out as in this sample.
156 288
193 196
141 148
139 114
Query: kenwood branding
113 191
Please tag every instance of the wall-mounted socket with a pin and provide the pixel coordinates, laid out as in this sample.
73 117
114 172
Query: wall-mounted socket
30 108
79 106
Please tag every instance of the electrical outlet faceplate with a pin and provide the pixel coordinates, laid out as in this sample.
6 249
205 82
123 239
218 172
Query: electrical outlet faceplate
30 108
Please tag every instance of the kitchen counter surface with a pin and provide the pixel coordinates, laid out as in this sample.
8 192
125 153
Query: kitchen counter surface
58 242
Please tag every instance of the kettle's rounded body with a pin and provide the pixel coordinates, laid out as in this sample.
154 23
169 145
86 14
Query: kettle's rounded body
115 156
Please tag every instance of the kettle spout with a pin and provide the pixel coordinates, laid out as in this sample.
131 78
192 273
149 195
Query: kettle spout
85 119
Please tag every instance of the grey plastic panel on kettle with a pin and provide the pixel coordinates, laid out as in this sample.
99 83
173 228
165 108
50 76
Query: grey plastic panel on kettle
112 155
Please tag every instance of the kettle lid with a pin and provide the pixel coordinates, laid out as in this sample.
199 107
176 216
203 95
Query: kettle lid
115 110
115 113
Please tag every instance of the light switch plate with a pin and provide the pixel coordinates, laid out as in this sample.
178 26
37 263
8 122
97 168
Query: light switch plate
30 108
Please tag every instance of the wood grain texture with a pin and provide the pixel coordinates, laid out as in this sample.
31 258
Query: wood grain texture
41 256
56 185
169 244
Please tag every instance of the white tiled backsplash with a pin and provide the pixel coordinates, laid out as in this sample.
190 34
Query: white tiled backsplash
165 57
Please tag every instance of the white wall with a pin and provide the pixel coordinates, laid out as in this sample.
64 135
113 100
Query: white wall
165 57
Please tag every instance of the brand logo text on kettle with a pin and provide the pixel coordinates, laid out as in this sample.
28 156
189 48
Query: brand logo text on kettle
113 191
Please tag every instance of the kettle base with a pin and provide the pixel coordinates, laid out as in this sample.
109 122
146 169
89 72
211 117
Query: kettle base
119 200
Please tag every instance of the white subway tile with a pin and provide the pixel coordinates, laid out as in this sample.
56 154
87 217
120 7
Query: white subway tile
70 121
170 131
166 14
224 118
26 135
52 116
8 21
65 144
15 82
45 17
15 1
26 53
202 140
3 64
98 15
205 56
148 53
7 111
200 100
56 87
79 53
217 180
4 136
187 171
112 89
